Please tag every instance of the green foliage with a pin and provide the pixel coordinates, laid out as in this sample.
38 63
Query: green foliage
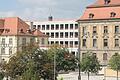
114 62
90 64
64 60
1 76
30 64
33 63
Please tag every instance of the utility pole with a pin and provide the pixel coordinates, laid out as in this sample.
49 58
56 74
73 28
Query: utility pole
54 66
79 44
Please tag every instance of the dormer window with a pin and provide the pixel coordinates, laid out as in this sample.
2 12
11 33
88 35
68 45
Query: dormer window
107 1
112 14
91 15
21 31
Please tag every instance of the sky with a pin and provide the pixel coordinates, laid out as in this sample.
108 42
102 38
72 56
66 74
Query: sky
41 9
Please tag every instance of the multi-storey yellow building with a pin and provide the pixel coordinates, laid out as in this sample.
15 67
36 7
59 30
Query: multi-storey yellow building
100 29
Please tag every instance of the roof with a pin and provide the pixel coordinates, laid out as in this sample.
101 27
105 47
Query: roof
39 33
100 3
16 26
102 11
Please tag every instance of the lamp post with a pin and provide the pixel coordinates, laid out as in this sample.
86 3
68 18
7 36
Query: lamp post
79 44
54 66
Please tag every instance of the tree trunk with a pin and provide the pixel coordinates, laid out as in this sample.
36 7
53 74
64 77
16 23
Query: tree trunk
117 74
88 75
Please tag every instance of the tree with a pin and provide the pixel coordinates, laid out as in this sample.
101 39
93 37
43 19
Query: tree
65 61
114 63
89 64
31 63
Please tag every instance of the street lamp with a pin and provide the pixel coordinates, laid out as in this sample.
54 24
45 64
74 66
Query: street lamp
54 66
79 44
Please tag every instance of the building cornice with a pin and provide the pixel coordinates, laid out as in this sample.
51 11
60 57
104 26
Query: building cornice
98 20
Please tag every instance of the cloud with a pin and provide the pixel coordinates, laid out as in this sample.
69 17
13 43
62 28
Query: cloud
7 14
40 3
41 9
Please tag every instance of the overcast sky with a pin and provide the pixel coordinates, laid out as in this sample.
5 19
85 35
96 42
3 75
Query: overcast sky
41 9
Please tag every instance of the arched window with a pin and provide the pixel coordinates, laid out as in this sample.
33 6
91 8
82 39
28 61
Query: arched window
105 56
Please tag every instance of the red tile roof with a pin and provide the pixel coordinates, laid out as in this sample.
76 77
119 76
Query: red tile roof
16 26
39 33
102 11
99 3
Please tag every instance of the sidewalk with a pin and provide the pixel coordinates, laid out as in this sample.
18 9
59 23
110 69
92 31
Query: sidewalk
74 76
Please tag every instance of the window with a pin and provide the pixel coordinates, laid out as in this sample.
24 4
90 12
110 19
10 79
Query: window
105 29
61 42
94 42
57 26
24 41
66 34
71 43
94 29
112 14
31 40
52 42
76 43
34 26
76 26
61 26
116 42
71 34
10 50
2 50
52 35
91 15
61 34
76 34
52 27
43 41
47 34
10 41
56 42
56 35
84 30
66 26
66 43
116 29
106 1
104 56
47 27
105 42
71 26
84 43
43 27
39 26
3 41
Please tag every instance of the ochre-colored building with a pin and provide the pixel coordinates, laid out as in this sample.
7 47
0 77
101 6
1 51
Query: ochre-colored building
100 29
14 33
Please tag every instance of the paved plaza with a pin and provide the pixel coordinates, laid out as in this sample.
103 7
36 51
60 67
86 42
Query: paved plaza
74 76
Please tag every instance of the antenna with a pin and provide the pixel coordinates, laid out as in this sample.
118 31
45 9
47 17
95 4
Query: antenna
50 18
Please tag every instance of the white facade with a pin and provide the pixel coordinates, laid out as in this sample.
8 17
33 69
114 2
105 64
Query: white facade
62 32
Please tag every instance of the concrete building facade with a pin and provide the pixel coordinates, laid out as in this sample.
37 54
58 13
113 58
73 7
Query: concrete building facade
62 32
100 29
